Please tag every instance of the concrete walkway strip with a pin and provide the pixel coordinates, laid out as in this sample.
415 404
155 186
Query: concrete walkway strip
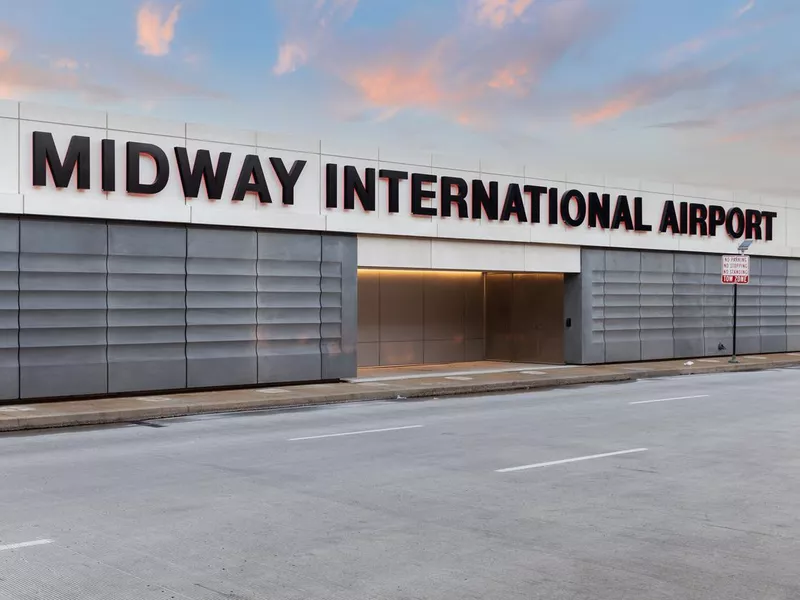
25 545
432 384
434 374
569 460
333 435
670 399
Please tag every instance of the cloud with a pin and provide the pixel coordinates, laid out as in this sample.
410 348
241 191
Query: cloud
685 124
511 78
499 13
21 79
394 86
110 79
66 63
309 25
717 35
646 90
746 8
471 76
155 31
291 56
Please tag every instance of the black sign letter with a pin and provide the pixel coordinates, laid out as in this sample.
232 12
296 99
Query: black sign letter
669 219
45 154
698 219
536 192
566 204
753 225
108 153
735 230
331 185
288 179
716 217
394 178
450 197
622 214
418 194
514 205
638 213
599 210
252 170
768 216
483 200
202 171
134 184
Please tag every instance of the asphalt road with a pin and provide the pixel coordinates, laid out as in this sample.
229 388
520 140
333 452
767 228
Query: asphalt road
687 488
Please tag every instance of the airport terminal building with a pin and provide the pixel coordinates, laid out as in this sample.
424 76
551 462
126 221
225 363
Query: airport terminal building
140 255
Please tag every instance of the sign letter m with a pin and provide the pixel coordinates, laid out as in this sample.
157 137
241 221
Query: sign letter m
45 154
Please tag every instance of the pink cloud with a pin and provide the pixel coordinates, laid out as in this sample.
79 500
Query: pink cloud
470 76
499 13
647 90
309 24
398 85
66 63
291 55
612 109
510 78
155 31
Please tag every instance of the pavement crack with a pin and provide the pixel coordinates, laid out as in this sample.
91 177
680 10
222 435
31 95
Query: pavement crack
229 595
751 531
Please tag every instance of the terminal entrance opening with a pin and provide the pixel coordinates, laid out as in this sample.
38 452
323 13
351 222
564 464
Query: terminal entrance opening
417 317
524 316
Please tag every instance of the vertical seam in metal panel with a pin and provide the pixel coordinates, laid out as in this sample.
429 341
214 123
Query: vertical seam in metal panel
321 260
483 312
379 318
255 319
464 321
19 307
674 273
424 294
186 307
108 251
639 292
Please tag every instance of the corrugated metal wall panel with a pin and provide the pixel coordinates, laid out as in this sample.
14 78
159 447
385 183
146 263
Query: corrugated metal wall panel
146 308
221 307
622 306
62 308
289 307
9 308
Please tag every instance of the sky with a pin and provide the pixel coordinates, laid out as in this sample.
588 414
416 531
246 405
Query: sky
703 92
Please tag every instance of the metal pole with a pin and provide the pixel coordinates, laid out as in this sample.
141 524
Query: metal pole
735 303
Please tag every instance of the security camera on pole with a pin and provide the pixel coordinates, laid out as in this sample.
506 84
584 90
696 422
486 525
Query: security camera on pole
735 271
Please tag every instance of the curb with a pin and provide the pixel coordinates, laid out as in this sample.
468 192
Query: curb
110 416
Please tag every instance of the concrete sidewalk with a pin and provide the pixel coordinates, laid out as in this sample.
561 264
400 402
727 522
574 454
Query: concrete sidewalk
142 408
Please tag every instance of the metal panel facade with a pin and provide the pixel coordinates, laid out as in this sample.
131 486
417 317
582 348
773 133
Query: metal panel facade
683 308
221 308
656 281
146 308
62 303
9 308
289 307
105 308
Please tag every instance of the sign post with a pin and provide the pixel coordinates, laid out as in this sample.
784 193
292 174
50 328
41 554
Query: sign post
735 271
